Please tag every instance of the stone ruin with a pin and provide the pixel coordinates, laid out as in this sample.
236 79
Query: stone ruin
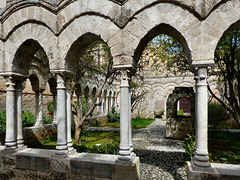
178 126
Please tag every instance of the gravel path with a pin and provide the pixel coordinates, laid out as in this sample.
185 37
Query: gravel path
160 158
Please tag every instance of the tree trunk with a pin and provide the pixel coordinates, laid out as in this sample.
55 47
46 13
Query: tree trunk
77 135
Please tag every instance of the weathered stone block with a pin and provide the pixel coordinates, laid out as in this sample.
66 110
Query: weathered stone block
38 162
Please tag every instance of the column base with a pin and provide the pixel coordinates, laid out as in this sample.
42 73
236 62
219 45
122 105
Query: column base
201 166
11 145
70 146
61 150
20 143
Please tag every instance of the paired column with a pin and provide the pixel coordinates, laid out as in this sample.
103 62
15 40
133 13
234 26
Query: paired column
201 159
69 116
19 88
14 134
11 118
125 110
62 147
39 107
54 108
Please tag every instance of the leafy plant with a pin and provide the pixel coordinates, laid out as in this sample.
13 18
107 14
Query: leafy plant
158 114
47 120
28 119
113 116
189 145
180 113
217 115
3 121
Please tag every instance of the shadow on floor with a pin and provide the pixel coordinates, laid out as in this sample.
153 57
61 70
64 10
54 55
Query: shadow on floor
168 161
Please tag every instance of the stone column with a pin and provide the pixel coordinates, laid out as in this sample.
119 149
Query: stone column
11 119
106 105
124 152
36 105
54 108
165 108
39 108
201 159
98 107
86 104
19 88
69 116
130 121
62 147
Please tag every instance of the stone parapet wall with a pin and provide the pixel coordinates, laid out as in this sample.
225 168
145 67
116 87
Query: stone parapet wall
44 164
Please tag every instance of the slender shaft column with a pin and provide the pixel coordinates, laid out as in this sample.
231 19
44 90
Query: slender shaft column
69 116
11 119
201 159
130 121
54 108
165 108
20 141
86 104
62 148
98 107
124 151
39 119
36 106
107 105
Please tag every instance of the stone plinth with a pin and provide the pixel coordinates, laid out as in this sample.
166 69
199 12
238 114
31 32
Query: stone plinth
220 172
41 164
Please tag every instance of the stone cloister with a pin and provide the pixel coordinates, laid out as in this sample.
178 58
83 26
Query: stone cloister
63 28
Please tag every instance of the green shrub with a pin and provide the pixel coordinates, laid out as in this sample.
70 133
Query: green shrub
28 119
217 115
189 145
3 121
158 114
113 116
110 148
47 120
180 113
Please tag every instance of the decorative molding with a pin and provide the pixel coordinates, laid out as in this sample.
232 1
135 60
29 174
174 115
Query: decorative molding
120 2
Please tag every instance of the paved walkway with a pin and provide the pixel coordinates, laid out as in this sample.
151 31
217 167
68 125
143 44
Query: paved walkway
160 158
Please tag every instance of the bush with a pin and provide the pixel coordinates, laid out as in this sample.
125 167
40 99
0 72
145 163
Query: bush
113 116
3 121
180 113
217 115
47 120
28 119
110 148
158 114
189 145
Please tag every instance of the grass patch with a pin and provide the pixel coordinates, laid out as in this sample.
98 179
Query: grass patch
224 147
109 142
137 123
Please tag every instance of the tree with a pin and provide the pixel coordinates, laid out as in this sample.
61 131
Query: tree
170 55
95 63
227 59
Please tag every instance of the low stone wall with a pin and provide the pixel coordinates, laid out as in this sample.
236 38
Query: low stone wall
31 163
219 172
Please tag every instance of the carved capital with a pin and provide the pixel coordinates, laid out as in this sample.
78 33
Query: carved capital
201 74
125 77
10 83
60 81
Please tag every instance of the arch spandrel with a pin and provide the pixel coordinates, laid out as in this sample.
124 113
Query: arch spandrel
29 31
77 35
220 21
32 13
161 19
